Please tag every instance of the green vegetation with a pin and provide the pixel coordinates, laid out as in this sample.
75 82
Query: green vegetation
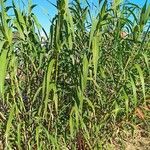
87 87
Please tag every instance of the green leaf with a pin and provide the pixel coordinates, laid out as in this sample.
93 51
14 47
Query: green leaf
1 45
3 69
85 72
134 91
94 25
9 122
48 86
141 78
95 52
71 122
126 103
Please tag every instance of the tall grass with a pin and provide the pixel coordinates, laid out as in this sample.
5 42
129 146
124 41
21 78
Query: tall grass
87 87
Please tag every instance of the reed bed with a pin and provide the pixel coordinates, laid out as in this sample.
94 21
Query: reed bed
86 87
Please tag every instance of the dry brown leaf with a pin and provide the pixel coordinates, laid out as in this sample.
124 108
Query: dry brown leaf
139 113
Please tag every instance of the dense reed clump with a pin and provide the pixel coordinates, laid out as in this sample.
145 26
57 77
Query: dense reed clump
86 87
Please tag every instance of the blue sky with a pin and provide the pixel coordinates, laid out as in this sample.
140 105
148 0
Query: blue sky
45 11
45 7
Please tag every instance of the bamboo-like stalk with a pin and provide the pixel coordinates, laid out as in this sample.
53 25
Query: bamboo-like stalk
83 88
